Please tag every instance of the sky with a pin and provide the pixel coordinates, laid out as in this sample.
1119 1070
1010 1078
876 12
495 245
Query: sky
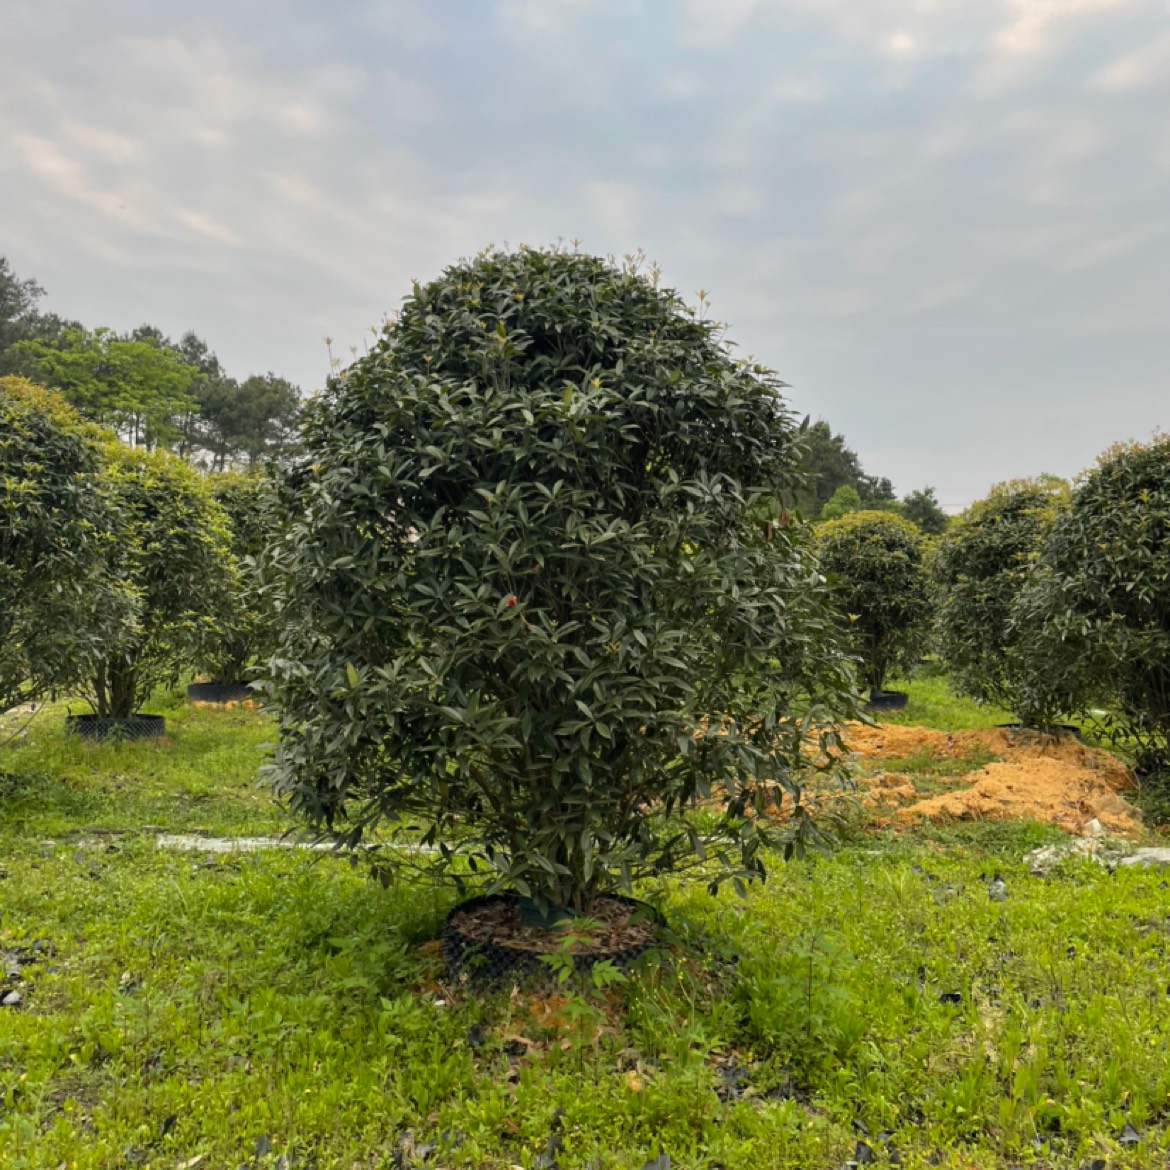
946 223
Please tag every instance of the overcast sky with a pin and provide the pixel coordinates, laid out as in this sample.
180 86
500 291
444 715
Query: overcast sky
945 222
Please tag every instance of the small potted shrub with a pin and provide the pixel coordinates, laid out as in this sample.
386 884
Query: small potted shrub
59 604
876 562
245 633
530 607
1094 619
981 567
173 553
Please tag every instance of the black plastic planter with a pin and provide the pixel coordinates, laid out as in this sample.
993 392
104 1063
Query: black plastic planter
887 700
1057 729
107 728
485 963
219 692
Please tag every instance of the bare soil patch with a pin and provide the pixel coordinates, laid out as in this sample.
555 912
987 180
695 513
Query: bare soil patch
1058 780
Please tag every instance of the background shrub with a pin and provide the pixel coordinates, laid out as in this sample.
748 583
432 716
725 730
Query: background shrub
58 605
246 631
173 552
530 598
1095 618
980 567
877 565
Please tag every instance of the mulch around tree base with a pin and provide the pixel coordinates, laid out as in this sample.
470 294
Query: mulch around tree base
622 928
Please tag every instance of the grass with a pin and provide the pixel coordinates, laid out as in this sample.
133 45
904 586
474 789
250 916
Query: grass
280 1005
929 773
933 703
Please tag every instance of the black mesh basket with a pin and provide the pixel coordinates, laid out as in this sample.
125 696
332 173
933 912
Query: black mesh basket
886 700
219 692
110 728
491 963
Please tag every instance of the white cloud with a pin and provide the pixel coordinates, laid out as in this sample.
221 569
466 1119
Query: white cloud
114 147
205 225
713 23
1144 67
1035 20
543 17
68 178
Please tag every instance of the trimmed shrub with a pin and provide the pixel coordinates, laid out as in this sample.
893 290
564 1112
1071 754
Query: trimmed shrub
529 597
173 552
247 629
1095 618
876 562
981 567
58 605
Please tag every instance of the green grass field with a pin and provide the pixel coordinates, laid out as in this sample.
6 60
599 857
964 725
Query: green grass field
282 1009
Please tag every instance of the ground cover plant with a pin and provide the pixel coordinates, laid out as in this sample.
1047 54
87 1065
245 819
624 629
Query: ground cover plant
249 1008
533 599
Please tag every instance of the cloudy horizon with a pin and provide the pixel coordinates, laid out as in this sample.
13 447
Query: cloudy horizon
947 226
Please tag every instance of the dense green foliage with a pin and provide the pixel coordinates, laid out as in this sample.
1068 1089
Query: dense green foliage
1095 618
57 602
981 568
245 422
136 386
173 553
531 599
21 319
155 391
843 501
831 464
921 507
246 631
180 1006
877 563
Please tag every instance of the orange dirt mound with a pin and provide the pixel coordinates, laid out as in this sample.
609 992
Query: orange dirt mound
1034 777
231 705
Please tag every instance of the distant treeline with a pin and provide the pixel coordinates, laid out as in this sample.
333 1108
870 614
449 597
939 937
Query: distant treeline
153 391
839 485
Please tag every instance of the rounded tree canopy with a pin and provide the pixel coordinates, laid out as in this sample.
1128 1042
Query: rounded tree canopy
1096 615
173 552
981 567
247 631
529 596
55 600
877 564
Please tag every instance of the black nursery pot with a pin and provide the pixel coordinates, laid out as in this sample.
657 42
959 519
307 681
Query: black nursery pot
110 727
887 700
1059 728
219 692
485 963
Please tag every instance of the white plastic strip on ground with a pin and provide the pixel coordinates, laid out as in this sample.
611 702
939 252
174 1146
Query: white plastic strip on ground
194 843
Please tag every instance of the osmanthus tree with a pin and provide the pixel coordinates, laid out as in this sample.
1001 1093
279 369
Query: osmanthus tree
59 604
1095 617
173 554
245 633
528 596
981 567
877 564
